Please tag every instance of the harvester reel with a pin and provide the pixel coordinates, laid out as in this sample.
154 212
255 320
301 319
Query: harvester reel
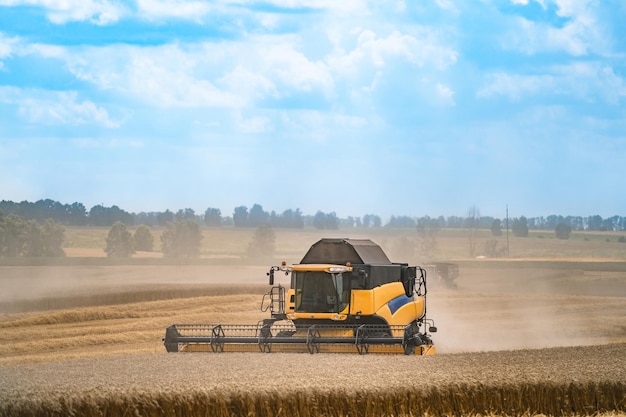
361 340
312 340
265 336
216 334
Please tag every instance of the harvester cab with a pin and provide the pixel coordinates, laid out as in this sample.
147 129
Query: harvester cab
345 295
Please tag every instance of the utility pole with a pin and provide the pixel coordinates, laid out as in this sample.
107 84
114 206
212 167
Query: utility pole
508 253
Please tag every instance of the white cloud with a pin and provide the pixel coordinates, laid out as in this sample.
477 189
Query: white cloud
99 12
7 47
372 49
445 94
248 83
588 81
252 125
55 108
580 35
158 9
106 143
515 86
282 61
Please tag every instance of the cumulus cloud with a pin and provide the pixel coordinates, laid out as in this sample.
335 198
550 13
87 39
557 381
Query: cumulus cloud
158 9
588 81
99 12
55 108
579 35
7 47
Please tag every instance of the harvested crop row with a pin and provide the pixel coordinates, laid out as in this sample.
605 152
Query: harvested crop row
560 381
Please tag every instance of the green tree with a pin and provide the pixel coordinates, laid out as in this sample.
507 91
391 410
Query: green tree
496 227
520 227
213 217
13 236
181 239
119 243
240 216
53 236
262 244
33 245
21 237
562 230
143 238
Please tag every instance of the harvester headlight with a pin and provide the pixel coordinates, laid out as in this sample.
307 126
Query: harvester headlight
337 269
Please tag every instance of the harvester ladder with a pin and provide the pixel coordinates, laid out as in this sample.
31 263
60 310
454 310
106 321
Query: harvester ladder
276 303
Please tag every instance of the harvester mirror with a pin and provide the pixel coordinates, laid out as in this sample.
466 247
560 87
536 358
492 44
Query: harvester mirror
432 329
409 286
271 275
408 280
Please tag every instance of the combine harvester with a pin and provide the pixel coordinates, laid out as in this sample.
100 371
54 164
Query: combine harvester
345 296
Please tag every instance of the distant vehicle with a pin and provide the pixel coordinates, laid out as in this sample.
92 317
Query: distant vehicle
443 274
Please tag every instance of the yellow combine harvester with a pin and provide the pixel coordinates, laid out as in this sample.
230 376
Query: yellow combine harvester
345 296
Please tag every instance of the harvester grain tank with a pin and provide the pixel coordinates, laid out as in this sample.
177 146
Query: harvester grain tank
345 295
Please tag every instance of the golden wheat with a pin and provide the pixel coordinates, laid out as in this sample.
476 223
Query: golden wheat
560 381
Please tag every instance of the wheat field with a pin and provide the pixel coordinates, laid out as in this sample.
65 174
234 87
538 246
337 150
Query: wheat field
522 336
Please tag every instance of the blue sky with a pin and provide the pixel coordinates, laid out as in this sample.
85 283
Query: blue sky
357 107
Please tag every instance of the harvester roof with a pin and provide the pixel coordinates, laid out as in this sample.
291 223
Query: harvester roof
339 251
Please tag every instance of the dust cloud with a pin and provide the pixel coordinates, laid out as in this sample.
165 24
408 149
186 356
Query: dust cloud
508 309
492 308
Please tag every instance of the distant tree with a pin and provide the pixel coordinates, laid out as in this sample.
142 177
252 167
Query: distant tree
326 221
240 216
562 230
165 217
257 216
496 227
53 236
77 214
181 239
107 216
119 242
262 244
372 220
401 221
186 214
213 217
319 221
34 240
520 227
595 223
21 237
289 218
13 236
427 229
143 238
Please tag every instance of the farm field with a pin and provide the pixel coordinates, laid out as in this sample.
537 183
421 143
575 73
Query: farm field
527 334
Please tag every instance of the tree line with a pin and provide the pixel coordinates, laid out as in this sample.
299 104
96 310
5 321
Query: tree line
76 214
